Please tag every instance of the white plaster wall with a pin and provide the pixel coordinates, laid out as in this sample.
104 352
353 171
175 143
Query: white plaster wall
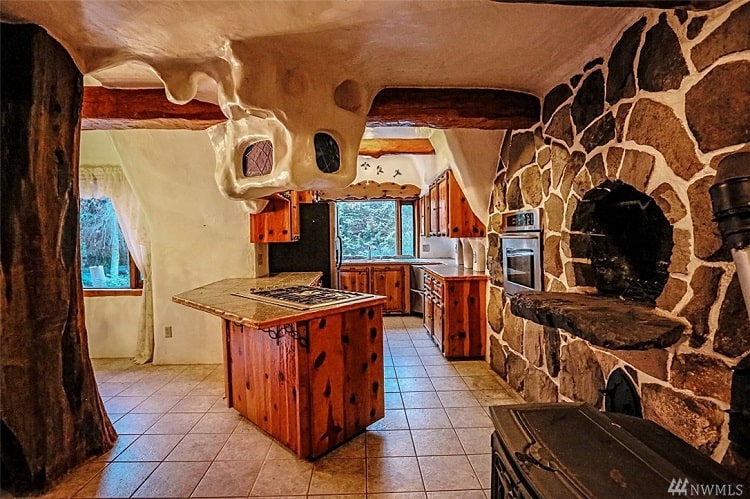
411 168
437 247
111 324
473 156
111 321
197 236
97 149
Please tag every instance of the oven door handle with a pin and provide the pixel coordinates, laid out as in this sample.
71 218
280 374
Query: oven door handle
524 235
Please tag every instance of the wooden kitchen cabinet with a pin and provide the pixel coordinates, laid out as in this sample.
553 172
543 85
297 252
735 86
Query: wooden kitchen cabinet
434 213
312 378
450 213
354 278
429 308
424 214
455 311
314 396
389 280
279 220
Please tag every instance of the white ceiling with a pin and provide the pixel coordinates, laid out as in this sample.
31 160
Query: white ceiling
430 43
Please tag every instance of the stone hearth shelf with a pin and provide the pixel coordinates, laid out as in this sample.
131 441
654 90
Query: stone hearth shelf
603 321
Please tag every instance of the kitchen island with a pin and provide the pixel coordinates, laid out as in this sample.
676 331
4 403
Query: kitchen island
311 378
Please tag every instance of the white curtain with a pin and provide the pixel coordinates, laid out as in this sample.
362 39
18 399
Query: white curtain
110 182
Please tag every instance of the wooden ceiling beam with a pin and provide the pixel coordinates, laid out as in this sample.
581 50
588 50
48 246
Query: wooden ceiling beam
490 109
116 109
379 147
649 4
483 108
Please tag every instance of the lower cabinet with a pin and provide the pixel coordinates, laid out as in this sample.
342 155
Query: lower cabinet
309 383
455 315
355 279
389 280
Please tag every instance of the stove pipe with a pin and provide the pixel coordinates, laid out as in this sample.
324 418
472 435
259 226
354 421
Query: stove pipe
730 198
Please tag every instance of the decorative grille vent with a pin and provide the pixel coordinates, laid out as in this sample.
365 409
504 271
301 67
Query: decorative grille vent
258 159
327 154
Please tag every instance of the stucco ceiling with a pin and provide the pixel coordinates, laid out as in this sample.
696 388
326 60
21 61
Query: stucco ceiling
430 43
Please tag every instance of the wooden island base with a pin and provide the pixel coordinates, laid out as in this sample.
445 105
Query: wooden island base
317 385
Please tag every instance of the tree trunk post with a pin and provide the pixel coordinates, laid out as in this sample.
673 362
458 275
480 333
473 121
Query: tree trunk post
52 415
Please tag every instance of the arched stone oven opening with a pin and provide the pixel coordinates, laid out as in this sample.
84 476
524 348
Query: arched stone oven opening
621 396
627 238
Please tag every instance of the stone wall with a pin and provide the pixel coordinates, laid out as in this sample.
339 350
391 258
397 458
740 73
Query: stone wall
659 112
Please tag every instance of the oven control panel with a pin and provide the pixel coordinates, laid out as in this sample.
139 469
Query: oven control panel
523 220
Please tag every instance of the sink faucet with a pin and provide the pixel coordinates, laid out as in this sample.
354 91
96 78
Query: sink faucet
369 251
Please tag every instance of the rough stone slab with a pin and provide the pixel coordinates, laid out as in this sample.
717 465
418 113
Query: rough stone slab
603 321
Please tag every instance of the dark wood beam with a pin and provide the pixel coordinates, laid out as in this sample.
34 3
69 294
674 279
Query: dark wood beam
491 109
482 108
379 147
648 4
115 109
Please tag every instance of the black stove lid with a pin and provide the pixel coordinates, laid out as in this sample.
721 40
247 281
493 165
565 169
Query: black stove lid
573 450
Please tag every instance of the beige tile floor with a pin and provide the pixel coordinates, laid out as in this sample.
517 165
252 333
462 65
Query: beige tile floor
177 438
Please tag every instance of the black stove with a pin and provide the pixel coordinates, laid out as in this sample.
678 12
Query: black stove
573 451
302 297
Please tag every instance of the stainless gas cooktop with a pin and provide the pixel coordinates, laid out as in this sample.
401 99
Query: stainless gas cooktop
302 297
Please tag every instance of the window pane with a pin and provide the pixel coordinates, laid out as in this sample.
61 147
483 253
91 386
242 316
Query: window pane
367 228
105 261
407 229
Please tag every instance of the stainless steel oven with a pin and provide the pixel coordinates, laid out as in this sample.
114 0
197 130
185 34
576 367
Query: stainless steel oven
522 251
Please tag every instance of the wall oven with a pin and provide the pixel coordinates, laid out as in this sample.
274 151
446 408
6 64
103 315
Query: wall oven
522 251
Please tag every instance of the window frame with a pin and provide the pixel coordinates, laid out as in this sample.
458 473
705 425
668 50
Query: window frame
136 283
413 201
135 289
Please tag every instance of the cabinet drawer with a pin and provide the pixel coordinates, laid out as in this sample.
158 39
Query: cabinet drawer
437 289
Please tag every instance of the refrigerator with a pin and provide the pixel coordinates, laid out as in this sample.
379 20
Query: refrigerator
318 248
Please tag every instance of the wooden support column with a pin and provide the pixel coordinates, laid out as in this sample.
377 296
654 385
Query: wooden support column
52 415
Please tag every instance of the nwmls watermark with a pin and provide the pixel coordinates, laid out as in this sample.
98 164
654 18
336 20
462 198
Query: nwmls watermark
682 487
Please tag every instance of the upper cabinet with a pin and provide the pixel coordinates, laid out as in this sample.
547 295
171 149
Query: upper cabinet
449 212
279 220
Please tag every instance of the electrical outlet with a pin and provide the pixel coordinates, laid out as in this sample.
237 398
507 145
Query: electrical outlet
167 331
425 247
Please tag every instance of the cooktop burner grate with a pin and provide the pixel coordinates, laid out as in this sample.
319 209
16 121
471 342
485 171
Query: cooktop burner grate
302 297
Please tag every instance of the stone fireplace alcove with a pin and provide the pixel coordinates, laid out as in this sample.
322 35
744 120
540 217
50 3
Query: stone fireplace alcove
621 163
627 239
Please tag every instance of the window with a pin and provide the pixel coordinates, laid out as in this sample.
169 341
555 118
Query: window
376 228
106 264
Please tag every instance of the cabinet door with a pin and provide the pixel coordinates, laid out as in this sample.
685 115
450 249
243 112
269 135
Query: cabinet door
464 318
437 325
428 309
460 219
425 214
389 282
428 306
354 279
434 213
279 220
438 321
443 205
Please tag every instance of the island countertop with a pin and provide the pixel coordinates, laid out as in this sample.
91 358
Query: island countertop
217 299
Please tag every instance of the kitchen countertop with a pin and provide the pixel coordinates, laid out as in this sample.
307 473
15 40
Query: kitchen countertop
217 299
404 261
455 272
